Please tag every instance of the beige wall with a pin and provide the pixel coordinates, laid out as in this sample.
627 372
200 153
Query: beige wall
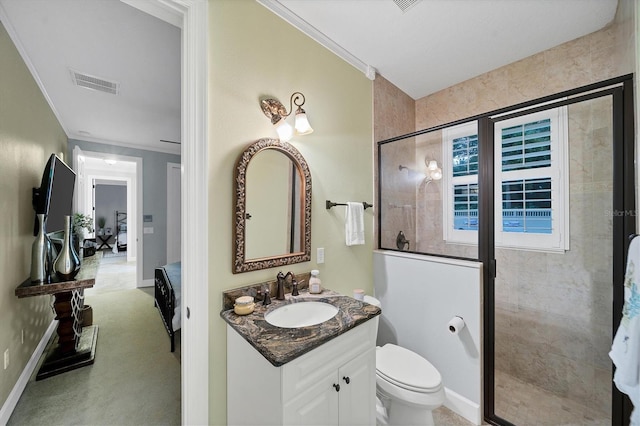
394 113
253 53
29 134
601 55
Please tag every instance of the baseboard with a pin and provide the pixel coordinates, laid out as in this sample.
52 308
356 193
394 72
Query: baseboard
463 407
13 398
147 283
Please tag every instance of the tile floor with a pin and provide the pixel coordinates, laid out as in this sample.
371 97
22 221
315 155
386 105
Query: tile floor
525 404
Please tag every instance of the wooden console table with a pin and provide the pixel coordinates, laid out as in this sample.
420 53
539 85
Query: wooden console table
73 346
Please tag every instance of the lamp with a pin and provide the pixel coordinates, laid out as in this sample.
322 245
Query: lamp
277 113
433 172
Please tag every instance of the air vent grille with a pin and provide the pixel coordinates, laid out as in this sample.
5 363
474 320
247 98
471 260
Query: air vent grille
94 83
404 5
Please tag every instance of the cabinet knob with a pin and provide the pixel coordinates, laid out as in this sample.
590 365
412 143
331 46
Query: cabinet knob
347 379
337 387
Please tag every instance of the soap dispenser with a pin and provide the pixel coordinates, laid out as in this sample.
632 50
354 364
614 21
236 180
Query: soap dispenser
314 282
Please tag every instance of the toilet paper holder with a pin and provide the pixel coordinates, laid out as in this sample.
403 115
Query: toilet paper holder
456 324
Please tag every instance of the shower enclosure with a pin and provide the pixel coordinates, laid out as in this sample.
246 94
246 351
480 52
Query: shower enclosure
543 195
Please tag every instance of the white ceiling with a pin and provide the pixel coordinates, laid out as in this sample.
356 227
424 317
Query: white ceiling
435 44
432 45
112 41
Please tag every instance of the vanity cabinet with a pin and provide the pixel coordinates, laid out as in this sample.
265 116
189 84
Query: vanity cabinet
333 384
342 398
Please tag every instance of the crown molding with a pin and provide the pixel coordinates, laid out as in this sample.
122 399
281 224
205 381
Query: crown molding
283 12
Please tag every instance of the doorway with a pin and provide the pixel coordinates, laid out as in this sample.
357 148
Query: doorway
192 17
92 167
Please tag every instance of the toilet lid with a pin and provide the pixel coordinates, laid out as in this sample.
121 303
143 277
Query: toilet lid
406 369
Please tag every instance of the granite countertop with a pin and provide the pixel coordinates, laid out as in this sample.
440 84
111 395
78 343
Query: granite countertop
281 345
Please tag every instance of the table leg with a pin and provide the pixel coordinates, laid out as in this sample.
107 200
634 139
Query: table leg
69 330
73 346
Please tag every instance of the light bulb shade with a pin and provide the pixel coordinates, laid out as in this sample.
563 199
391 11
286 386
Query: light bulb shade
432 165
284 129
436 174
302 123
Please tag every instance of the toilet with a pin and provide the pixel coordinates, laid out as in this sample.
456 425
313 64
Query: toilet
408 387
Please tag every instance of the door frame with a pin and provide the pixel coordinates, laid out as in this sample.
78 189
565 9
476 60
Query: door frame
192 17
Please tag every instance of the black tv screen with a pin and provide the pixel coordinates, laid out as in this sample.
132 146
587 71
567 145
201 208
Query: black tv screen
55 195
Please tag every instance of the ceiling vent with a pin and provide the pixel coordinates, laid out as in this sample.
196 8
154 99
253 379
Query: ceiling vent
94 83
404 5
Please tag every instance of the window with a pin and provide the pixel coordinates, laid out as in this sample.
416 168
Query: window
531 186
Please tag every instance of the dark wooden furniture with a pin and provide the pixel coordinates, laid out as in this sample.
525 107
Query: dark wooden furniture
167 295
72 346
104 241
121 231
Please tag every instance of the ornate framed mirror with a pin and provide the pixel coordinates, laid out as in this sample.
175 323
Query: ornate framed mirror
272 207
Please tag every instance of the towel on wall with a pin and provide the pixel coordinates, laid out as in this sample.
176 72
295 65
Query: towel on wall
625 350
354 224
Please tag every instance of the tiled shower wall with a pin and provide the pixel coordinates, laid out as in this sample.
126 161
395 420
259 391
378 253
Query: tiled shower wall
553 309
394 113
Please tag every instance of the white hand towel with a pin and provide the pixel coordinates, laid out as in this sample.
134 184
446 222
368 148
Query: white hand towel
625 350
354 224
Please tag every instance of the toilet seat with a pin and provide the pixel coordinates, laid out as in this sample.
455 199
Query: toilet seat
406 369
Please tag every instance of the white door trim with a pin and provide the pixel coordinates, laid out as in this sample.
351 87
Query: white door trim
174 249
192 16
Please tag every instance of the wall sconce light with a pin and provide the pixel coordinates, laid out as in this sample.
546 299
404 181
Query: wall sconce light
433 172
277 113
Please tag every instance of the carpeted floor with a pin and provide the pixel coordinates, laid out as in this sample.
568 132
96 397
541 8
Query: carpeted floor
135 380
114 274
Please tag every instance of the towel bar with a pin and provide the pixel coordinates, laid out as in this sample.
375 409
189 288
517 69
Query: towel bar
330 204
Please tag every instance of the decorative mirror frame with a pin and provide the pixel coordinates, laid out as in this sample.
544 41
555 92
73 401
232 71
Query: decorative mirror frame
240 263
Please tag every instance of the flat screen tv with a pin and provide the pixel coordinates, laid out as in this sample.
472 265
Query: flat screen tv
55 195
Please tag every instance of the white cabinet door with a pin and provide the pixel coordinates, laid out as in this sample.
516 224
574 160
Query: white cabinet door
318 405
358 390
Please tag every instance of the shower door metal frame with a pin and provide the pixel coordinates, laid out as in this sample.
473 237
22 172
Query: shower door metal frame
624 218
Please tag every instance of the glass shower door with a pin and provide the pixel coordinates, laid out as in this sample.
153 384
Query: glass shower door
554 255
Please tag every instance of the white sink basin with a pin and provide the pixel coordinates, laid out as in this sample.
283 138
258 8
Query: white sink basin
301 314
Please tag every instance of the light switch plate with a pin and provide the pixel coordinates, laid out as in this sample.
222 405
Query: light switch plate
320 255
148 230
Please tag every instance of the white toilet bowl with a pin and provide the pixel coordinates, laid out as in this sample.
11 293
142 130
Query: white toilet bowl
408 387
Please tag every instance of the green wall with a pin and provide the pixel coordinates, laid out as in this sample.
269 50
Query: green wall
29 134
253 53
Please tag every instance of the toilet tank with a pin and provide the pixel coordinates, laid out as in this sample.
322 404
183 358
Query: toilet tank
375 302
